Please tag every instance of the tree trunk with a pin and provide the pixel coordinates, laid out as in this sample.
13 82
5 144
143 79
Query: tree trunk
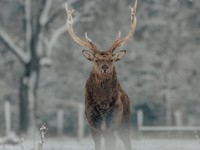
28 96
23 94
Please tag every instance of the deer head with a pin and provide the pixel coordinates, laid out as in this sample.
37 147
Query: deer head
103 61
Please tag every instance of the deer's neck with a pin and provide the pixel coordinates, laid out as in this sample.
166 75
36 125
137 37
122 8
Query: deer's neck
102 89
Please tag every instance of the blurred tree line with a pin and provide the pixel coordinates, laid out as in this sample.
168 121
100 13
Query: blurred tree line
42 69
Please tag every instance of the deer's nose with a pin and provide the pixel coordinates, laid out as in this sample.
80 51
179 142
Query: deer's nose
104 67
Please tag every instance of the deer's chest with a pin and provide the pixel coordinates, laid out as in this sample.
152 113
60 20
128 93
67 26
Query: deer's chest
101 106
97 113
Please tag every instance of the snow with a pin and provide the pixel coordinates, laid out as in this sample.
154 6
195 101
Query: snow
87 144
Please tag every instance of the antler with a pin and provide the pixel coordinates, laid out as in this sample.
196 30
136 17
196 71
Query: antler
86 44
118 42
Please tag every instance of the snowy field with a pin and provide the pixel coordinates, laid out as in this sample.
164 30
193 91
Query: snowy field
87 144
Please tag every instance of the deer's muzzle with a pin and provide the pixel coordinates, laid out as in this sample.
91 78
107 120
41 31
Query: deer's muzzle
104 68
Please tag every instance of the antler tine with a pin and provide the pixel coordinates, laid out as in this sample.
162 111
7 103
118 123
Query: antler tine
119 42
86 36
119 34
86 44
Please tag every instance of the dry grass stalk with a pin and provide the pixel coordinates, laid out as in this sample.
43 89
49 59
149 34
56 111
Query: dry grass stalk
43 131
197 136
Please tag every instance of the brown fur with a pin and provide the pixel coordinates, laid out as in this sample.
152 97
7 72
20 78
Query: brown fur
107 106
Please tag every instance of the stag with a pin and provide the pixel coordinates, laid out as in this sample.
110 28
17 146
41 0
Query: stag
107 106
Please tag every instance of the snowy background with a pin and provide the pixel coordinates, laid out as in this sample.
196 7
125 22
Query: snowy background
43 72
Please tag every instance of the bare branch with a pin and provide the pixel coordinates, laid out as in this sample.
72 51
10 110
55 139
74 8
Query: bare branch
57 33
28 25
54 15
46 61
23 57
57 12
45 12
43 18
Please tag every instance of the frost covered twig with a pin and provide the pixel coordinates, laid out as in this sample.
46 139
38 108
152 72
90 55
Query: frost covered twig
43 131
197 136
21 143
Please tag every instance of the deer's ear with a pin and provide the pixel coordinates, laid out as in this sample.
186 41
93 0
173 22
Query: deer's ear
119 55
88 55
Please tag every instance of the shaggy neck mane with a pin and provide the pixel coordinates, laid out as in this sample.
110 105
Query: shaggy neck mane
99 78
102 89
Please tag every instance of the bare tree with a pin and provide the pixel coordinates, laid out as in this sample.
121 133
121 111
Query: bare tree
34 53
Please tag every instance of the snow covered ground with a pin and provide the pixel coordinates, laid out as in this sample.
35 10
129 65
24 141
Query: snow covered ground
87 144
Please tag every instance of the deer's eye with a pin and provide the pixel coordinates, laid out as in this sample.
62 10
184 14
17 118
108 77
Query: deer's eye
111 60
96 60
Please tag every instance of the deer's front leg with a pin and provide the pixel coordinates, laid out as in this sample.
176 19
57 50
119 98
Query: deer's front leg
110 141
97 139
117 114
